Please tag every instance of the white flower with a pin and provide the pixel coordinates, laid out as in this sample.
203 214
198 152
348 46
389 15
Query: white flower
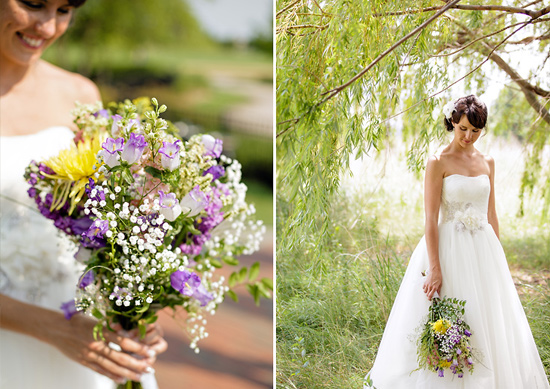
469 219
448 109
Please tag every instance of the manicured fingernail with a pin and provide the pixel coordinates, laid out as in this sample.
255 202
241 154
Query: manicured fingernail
151 353
121 381
149 369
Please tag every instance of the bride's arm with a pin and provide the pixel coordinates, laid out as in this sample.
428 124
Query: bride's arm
74 338
492 212
433 183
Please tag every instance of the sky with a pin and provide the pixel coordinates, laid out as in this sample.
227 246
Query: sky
233 19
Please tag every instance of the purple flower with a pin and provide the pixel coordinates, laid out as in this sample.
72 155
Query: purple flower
99 193
169 206
97 229
185 282
467 333
212 145
102 112
33 179
458 351
470 360
115 128
134 148
43 168
135 123
189 284
170 155
202 295
32 192
214 216
86 279
440 373
69 309
110 151
78 226
460 375
194 202
217 171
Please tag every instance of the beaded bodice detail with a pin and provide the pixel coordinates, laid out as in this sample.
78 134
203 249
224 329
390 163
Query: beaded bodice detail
464 201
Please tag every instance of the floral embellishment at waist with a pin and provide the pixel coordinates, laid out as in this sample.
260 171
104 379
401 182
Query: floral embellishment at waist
464 216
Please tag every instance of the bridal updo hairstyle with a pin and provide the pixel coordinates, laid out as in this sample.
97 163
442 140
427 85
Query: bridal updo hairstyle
474 109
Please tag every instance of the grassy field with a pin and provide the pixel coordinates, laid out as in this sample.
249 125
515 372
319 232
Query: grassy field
333 299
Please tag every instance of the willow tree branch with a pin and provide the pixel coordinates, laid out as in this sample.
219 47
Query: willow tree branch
530 39
527 89
464 76
287 8
333 92
475 40
504 8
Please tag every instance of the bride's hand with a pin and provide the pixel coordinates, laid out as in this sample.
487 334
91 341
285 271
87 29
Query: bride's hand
77 343
153 339
433 283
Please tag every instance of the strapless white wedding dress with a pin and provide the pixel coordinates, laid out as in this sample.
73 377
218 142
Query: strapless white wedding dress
474 269
37 267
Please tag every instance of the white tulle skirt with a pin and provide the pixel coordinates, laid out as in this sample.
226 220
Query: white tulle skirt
474 269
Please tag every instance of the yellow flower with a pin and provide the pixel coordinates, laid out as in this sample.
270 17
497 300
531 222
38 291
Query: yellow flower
73 167
441 326
444 364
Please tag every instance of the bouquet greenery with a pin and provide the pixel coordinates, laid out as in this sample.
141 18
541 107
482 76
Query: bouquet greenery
153 217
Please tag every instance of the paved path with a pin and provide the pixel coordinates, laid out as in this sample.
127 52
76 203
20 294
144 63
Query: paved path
239 350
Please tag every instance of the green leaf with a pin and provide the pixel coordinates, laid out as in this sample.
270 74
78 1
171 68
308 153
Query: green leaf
233 295
215 263
127 175
242 274
254 271
232 261
154 172
97 314
98 331
151 319
233 279
267 282
263 290
142 330
254 292
144 308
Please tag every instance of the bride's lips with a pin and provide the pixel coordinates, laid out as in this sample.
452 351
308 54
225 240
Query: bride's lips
29 41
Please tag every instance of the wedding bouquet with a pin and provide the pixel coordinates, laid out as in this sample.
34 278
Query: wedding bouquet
444 341
153 216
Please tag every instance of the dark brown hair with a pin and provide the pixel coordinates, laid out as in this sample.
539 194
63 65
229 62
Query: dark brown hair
76 3
474 109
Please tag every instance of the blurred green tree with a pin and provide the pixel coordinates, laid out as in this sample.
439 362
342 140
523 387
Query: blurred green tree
132 24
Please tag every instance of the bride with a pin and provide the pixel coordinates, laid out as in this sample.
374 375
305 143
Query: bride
39 348
464 260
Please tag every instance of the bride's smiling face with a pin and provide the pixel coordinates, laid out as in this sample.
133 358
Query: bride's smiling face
465 133
28 27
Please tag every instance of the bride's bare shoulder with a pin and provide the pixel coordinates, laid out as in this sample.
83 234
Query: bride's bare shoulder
71 86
